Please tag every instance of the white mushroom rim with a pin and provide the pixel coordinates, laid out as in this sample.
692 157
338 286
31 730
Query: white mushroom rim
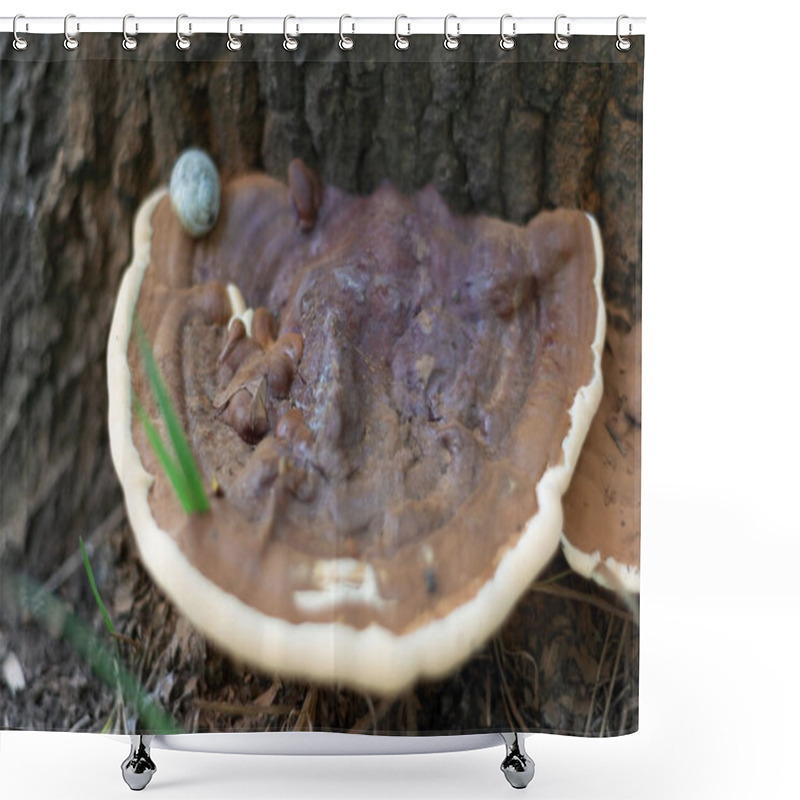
373 658
609 573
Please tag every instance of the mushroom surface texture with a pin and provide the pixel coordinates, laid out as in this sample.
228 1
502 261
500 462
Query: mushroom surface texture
602 509
388 400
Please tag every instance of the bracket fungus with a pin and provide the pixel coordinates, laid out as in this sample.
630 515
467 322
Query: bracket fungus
388 401
602 509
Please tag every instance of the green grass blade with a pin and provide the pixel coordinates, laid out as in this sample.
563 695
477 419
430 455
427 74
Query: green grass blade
57 619
109 721
98 599
171 467
193 482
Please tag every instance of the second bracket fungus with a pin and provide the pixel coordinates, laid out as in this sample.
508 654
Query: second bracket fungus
602 510
389 401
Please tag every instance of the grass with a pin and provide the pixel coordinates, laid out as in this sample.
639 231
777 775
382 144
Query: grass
56 618
95 591
181 469
128 688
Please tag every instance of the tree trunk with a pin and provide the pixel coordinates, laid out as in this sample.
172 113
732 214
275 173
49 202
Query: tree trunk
87 135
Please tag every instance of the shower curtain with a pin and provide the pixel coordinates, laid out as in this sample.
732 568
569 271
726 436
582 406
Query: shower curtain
403 350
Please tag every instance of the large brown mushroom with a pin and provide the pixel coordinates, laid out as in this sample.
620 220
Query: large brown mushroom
389 401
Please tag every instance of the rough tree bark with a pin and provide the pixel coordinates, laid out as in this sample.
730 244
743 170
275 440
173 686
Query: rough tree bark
86 135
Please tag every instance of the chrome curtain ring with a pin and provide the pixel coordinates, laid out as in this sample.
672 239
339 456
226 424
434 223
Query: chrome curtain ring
345 42
507 42
401 42
561 42
451 42
182 42
623 42
70 42
128 42
234 43
289 42
19 43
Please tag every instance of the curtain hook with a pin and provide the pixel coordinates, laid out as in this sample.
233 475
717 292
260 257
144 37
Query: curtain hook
234 42
623 43
128 42
70 42
289 42
182 42
451 42
345 42
507 42
401 42
561 42
19 42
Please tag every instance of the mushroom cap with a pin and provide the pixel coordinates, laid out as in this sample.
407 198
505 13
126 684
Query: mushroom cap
362 540
602 508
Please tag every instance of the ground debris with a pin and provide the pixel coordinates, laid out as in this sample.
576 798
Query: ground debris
565 660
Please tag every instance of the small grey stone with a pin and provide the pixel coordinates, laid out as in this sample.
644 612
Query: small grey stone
194 192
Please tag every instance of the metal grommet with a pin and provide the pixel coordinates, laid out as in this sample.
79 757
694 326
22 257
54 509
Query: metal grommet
70 42
128 42
289 42
19 43
234 43
451 42
623 43
561 42
345 42
401 42
507 42
182 42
